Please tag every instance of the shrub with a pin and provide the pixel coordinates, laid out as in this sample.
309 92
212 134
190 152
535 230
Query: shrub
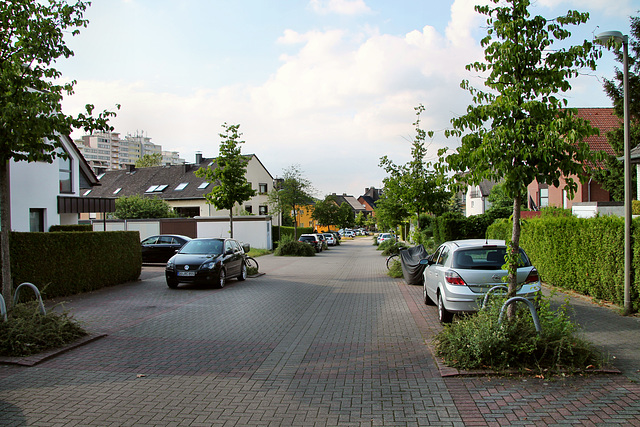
478 341
395 269
27 332
290 247
71 227
390 247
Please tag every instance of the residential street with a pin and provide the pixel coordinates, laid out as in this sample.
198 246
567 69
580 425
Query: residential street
321 341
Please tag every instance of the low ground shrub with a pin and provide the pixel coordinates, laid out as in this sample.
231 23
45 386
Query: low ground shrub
479 342
290 247
395 269
390 247
28 332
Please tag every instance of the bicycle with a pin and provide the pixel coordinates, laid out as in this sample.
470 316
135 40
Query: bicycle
251 262
390 258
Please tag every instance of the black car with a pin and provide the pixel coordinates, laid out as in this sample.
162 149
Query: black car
162 247
208 261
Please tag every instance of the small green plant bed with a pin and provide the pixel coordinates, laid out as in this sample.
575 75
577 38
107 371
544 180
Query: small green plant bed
258 252
28 332
479 342
389 247
395 270
289 247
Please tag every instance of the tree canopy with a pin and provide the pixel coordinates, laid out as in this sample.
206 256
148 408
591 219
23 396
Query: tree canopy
229 176
520 129
139 207
293 192
149 160
325 212
31 117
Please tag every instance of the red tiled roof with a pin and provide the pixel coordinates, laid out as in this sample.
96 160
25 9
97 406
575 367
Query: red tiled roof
603 119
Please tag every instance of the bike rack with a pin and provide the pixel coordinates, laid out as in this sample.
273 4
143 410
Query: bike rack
486 296
35 290
532 309
3 308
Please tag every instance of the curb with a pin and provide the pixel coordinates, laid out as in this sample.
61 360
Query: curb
35 359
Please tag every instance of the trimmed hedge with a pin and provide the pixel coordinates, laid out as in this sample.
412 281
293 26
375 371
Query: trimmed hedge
288 232
583 255
67 263
454 226
71 227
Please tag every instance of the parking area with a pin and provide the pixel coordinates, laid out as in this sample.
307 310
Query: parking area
320 341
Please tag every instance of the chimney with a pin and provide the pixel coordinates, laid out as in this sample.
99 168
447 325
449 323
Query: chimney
131 167
198 157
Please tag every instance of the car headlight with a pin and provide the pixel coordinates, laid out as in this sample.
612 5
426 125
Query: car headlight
170 264
208 265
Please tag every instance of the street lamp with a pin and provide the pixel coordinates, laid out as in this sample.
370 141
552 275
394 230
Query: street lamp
606 38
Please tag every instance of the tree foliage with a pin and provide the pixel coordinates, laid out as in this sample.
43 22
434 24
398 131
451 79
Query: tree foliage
520 130
325 212
140 207
346 217
413 186
31 117
611 175
293 193
229 176
149 160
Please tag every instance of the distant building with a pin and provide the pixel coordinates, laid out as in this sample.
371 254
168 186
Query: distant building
109 151
369 199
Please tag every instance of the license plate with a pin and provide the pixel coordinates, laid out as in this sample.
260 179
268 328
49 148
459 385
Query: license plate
186 273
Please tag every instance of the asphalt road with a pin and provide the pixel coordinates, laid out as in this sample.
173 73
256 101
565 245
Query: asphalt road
322 341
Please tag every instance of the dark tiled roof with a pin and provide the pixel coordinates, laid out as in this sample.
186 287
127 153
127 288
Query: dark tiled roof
368 200
485 187
140 180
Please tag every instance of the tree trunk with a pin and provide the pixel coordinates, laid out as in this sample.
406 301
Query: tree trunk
514 256
231 222
5 224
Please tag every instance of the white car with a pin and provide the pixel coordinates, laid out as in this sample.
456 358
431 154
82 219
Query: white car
330 238
459 273
384 236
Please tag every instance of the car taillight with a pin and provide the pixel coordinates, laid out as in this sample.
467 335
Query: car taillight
454 278
533 277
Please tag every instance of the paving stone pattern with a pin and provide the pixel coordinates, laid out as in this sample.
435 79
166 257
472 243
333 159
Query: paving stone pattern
323 341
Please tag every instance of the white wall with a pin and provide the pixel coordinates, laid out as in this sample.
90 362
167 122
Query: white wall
36 185
250 229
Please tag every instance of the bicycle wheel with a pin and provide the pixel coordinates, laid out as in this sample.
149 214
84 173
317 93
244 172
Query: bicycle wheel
251 262
390 259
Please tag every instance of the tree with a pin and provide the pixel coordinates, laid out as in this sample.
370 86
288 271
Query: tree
611 175
520 130
31 118
414 185
229 177
149 160
345 217
325 211
138 207
293 193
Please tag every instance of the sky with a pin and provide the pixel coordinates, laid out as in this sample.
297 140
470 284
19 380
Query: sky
329 86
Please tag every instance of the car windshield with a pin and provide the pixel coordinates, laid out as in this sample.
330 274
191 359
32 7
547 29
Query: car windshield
202 247
485 258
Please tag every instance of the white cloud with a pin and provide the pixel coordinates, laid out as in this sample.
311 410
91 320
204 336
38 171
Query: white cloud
340 7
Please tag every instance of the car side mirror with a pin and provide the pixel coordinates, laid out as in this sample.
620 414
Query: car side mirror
246 247
426 261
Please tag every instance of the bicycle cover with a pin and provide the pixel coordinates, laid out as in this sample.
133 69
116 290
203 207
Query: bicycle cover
411 268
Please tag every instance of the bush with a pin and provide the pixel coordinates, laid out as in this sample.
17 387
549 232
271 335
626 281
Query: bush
71 227
390 247
290 247
67 263
395 269
282 232
479 342
585 255
27 332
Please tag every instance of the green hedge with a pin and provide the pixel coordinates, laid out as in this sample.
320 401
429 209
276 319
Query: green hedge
67 263
71 227
454 226
583 255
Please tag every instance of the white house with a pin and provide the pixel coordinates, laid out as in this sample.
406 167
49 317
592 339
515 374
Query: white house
476 198
45 194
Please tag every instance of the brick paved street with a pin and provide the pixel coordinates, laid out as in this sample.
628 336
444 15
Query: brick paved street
322 341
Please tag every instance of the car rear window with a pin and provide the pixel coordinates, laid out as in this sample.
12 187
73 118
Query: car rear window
307 239
486 258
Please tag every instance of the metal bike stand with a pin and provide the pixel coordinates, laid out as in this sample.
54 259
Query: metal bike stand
532 309
486 296
35 290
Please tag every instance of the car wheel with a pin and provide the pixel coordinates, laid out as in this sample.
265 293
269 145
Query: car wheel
427 299
172 283
222 278
444 315
243 272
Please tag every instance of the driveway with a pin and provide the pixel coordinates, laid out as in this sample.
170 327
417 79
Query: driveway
321 341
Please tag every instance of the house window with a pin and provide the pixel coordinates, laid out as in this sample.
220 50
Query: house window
203 186
248 208
262 188
262 210
117 190
544 197
36 220
187 211
66 186
182 186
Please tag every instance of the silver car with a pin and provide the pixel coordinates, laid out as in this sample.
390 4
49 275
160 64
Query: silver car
460 272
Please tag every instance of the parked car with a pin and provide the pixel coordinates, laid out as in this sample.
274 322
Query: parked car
459 273
311 239
330 238
323 240
384 236
207 260
161 247
349 233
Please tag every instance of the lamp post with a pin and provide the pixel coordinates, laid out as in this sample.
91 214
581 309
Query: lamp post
606 38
